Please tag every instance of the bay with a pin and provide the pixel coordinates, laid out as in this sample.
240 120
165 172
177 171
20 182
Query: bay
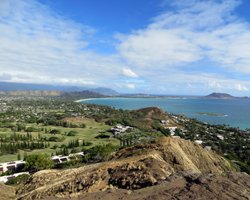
234 112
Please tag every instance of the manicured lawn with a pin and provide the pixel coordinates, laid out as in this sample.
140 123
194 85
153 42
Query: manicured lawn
87 134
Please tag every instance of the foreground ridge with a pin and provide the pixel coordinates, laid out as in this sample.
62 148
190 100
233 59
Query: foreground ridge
168 160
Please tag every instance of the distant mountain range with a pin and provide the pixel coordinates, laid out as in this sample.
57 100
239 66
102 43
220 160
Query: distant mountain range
7 86
105 91
18 89
222 96
29 89
82 95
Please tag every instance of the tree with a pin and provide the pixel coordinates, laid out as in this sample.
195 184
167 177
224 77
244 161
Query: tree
82 125
36 162
72 133
55 131
100 152
18 156
20 127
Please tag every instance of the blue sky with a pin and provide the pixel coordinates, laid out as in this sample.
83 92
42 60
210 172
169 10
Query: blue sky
149 46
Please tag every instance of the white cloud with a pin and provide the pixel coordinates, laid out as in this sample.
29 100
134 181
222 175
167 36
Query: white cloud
130 85
240 87
214 85
5 77
177 82
195 31
38 45
129 73
152 48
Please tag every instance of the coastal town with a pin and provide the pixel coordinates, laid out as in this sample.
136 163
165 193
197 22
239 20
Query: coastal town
69 132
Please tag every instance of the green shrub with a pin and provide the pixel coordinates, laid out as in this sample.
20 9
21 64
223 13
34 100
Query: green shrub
84 143
18 180
54 139
99 152
72 133
55 131
36 162
102 136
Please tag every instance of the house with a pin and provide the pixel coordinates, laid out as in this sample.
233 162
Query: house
62 159
165 122
119 129
4 179
56 159
208 147
172 130
220 137
11 166
198 142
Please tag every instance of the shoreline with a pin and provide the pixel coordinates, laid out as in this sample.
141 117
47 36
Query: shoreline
81 100
212 114
218 117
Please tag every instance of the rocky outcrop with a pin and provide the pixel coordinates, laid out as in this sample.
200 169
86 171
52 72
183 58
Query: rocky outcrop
146 118
6 192
184 186
131 168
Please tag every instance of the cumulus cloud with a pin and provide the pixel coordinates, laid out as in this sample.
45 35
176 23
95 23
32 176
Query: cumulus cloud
130 85
152 48
172 54
38 45
5 77
194 31
129 73
240 87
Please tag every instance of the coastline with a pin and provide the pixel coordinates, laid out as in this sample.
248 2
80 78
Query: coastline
87 99
80 100
116 97
214 113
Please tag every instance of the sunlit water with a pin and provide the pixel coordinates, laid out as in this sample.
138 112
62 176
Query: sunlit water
235 112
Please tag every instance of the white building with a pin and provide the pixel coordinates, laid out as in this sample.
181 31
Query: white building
11 166
4 179
62 159
198 142
165 122
220 137
119 129
172 130
208 147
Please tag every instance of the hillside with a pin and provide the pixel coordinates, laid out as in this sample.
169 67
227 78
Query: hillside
81 95
105 91
131 168
145 118
11 86
18 89
183 187
31 93
6 192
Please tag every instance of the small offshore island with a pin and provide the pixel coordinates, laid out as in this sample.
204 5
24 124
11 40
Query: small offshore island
217 110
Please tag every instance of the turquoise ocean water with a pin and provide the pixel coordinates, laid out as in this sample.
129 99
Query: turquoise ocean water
236 112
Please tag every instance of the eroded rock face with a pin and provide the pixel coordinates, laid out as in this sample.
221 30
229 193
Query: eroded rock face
6 192
186 186
132 168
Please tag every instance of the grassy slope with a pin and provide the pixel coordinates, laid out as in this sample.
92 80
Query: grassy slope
88 134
